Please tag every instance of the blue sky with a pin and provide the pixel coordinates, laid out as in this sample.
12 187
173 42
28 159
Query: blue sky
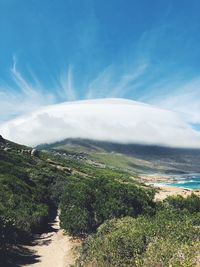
63 50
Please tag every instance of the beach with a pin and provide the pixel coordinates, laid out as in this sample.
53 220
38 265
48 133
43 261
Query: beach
166 191
159 182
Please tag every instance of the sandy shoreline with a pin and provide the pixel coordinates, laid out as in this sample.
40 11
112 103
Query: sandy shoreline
158 181
165 191
163 178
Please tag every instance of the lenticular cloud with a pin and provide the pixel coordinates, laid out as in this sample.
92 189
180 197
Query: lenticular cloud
116 120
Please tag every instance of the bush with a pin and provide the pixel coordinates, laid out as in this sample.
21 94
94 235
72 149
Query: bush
87 203
167 252
118 242
190 203
160 240
26 195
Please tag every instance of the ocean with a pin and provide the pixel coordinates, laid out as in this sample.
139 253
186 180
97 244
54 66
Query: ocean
190 182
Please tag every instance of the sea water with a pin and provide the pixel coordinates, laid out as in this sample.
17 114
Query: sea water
191 182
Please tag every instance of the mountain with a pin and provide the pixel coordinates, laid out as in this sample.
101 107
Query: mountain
114 120
132 157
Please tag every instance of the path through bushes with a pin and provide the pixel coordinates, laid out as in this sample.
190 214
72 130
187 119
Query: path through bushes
52 248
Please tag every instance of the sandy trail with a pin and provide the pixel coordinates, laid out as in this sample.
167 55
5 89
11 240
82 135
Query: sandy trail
53 249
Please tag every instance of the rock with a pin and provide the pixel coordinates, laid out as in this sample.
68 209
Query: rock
25 151
7 149
51 161
2 140
65 169
34 152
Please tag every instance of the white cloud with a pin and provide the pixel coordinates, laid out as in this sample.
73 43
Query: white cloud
117 120
66 85
182 97
24 96
110 83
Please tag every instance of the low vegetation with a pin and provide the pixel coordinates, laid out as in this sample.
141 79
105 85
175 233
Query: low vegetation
87 203
117 216
27 194
169 238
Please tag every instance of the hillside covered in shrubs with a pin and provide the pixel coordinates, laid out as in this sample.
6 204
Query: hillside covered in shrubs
124 226
168 238
110 210
28 194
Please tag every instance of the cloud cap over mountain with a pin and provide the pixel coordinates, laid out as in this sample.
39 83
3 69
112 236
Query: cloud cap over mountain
116 120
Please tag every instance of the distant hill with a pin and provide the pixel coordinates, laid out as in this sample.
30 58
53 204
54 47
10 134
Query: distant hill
141 158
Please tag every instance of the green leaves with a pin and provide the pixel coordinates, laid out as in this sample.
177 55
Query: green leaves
26 194
159 240
190 203
94 200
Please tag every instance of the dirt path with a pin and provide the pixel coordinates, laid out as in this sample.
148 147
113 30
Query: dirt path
53 248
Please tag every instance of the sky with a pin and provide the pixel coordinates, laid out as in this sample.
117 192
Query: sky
65 50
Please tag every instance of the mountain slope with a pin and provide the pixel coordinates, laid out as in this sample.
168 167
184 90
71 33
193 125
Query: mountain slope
140 158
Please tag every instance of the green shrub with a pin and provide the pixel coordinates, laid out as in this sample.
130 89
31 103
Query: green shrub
117 243
190 203
167 252
159 240
87 203
26 195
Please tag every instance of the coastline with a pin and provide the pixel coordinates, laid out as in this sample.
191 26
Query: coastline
158 181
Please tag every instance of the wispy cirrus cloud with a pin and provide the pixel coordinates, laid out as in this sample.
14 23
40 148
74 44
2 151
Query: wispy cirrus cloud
114 83
182 97
66 85
179 95
149 127
141 77
24 96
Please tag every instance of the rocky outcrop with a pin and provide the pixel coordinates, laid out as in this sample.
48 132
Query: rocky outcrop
2 140
58 166
7 149
34 152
